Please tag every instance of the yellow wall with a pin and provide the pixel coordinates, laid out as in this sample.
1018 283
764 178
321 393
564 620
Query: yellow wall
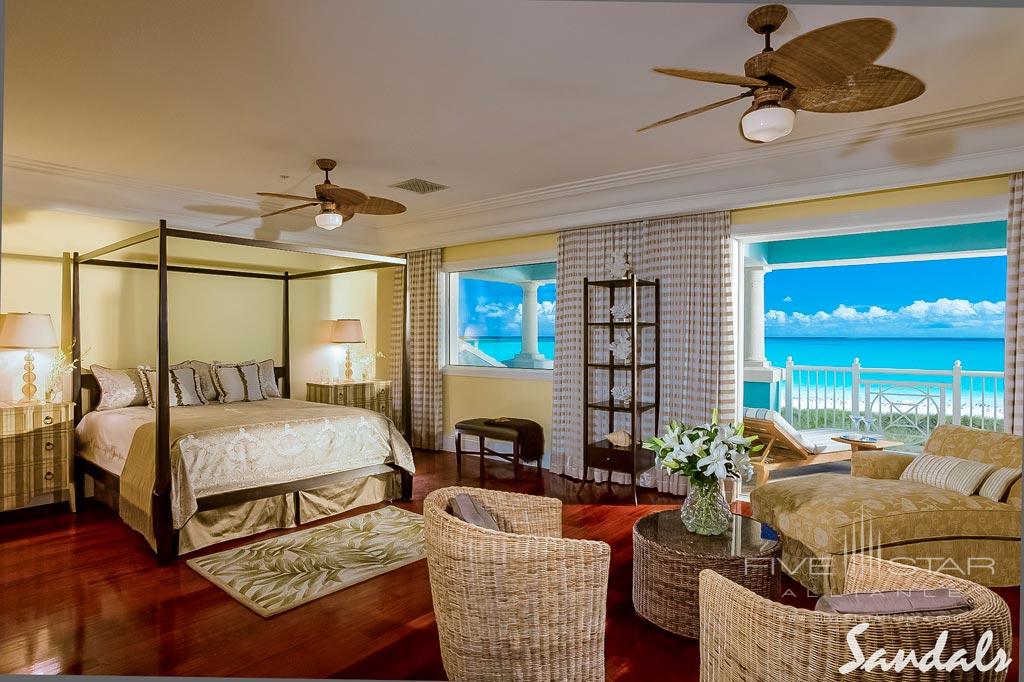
210 318
466 397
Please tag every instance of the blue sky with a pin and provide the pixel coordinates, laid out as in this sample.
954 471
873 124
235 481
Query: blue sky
489 308
962 297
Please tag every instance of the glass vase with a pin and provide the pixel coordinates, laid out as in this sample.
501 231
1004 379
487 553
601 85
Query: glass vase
705 510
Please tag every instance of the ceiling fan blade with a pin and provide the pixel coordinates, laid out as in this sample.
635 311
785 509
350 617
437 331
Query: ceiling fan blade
714 77
831 53
379 206
694 112
292 208
342 196
874 87
286 196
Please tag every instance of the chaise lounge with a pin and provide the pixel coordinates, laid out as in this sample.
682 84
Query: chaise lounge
823 519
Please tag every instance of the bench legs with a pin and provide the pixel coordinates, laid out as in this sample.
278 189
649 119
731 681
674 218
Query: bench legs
483 451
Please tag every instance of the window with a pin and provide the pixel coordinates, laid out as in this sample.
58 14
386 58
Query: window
502 317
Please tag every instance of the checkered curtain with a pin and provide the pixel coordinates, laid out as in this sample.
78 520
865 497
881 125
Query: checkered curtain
426 394
1013 366
691 256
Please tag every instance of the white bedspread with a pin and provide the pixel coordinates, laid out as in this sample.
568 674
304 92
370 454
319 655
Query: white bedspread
104 438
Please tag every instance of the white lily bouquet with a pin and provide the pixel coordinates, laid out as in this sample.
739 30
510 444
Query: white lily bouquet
706 454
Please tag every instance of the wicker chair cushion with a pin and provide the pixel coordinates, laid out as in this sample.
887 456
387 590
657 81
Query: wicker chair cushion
467 508
941 602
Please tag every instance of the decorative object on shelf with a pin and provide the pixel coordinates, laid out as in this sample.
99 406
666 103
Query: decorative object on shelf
620 438
707 455
621 311
622 347
63 365
621 394
28 332
347 332
616 374
619 266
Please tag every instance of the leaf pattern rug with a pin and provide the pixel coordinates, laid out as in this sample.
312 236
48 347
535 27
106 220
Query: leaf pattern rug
278 574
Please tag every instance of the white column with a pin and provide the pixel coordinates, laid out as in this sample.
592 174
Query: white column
753 321
529 356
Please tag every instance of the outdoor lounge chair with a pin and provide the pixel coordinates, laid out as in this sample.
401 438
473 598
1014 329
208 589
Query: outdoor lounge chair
785 447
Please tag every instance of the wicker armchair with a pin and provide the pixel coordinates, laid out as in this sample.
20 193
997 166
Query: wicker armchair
517 604
746 637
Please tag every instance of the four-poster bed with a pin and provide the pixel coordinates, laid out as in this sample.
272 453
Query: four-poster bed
165 520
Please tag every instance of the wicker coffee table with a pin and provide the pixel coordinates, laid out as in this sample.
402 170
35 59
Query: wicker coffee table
667 560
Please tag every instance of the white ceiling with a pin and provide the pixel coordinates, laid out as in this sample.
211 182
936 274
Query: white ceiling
526 109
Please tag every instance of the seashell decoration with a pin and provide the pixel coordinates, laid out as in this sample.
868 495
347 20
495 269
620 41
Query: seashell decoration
621 394
620 438
619 266
621 311
622 347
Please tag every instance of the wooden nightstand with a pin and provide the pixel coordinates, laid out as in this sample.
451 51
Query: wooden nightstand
370 395
37 445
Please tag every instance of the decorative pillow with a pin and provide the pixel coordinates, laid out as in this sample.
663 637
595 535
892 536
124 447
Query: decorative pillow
466 508
268 382
949 473
182 389
118 387
998 482
204 373
940 602
238 383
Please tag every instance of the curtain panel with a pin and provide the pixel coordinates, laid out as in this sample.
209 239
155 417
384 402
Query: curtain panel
425 389
1013 365
397 347
691 256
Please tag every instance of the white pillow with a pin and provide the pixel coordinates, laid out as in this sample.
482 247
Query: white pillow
238 383
118 387
268 382
999 482
963 476
182 388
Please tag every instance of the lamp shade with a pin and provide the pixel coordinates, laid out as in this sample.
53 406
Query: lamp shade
347 331
328 220
767 123
28 331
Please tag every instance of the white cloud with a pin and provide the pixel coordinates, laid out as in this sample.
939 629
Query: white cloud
788 299
982 317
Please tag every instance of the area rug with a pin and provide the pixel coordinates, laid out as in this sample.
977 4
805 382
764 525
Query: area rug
275 575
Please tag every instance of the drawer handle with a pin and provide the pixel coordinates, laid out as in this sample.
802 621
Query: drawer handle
48 447
47 420
48 476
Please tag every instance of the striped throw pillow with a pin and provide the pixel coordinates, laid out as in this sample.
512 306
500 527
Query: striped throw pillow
182 387
998 483
238 383
949 473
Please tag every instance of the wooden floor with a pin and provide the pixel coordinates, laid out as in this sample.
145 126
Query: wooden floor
83 594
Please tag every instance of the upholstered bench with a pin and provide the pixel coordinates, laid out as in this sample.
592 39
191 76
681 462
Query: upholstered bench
521 433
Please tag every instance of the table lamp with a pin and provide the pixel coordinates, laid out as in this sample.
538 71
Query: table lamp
347 332
28 331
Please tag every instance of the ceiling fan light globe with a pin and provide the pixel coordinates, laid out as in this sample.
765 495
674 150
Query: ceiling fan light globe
767 123
328 220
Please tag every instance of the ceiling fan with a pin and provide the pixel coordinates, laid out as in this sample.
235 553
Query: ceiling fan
830 70
337 204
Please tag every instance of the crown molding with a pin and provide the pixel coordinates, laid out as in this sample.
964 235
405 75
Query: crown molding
984 114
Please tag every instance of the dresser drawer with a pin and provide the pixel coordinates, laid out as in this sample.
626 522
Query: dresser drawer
34 477
42 444
21 419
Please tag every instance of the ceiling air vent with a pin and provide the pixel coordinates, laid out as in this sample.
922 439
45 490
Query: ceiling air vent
420 186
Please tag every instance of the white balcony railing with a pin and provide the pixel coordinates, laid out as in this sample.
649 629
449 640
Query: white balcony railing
905 404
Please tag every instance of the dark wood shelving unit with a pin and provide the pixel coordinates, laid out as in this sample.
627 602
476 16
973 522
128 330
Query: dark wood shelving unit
642 369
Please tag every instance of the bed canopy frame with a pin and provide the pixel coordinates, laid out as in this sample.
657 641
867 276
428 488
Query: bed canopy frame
164 531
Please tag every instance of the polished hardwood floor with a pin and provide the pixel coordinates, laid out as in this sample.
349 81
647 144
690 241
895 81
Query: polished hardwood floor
83 594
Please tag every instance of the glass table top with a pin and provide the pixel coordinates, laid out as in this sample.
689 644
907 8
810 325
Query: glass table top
742 539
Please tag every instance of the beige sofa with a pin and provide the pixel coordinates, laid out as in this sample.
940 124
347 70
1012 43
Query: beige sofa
825 518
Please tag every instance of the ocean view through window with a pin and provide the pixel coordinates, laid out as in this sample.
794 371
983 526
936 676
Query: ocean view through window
903 346
502 317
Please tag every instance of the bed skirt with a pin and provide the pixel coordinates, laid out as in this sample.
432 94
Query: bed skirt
369 485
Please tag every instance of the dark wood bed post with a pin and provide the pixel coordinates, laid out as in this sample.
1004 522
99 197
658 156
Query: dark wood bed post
163 524
285 346
76 339
406 377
